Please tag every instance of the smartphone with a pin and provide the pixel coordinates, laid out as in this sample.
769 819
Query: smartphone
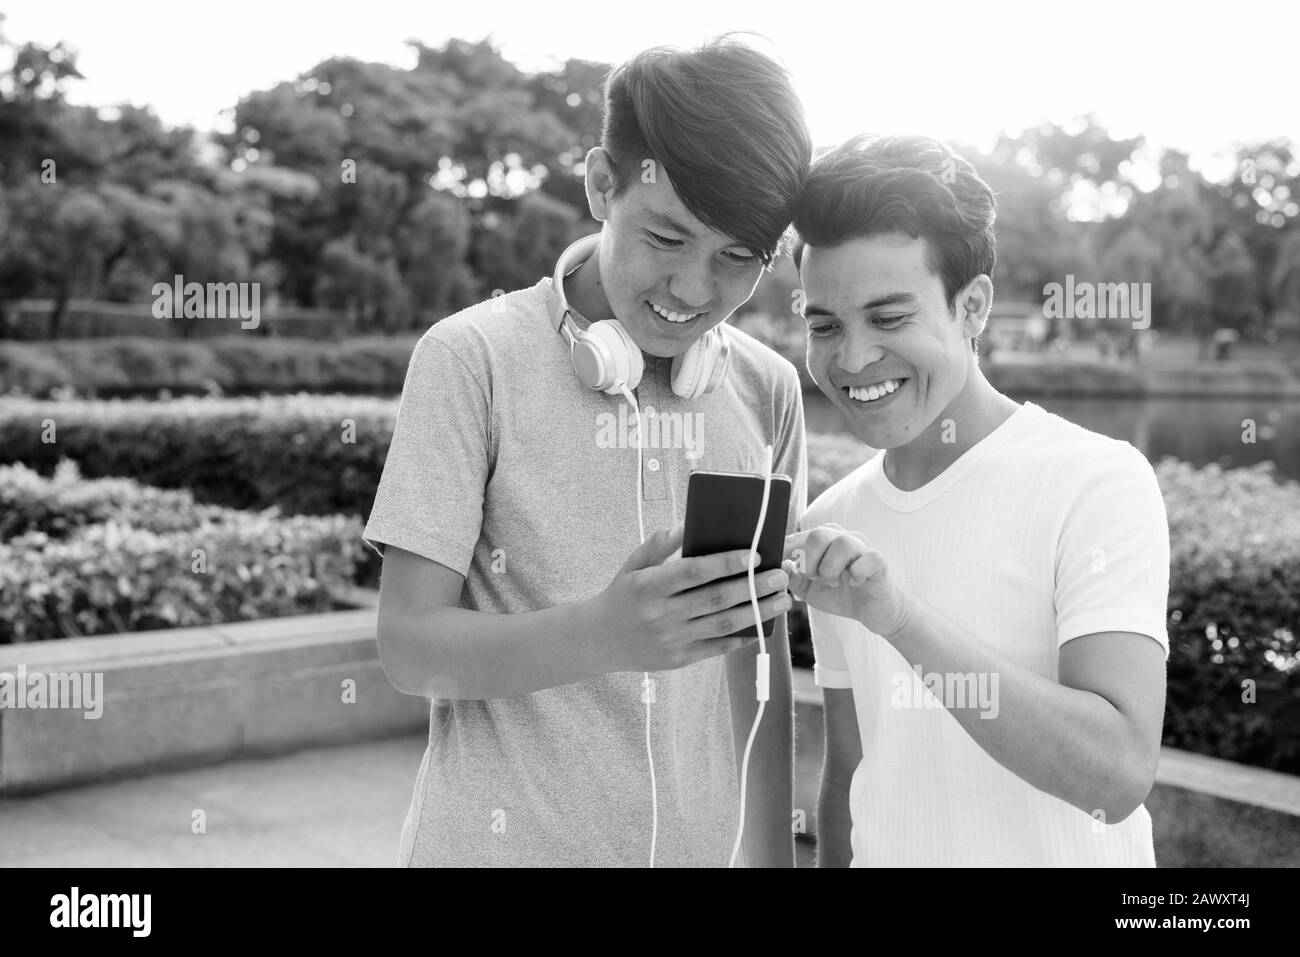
721 512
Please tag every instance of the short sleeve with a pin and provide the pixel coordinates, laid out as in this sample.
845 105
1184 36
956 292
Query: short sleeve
830 667
1112 559
430 495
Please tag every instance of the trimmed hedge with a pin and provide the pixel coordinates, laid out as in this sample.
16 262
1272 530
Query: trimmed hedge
249 364
68 570
239 364
308 455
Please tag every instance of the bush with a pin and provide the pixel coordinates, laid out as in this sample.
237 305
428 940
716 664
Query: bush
1234 613
306 455
285 451
59 506
74 572
241 364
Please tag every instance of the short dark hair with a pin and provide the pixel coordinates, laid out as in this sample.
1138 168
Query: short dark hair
724 123
913 185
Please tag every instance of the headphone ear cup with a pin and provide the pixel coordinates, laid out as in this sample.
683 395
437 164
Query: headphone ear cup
720 364
702 367
689 370
611 357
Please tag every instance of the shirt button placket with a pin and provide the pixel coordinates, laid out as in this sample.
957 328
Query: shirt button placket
652 476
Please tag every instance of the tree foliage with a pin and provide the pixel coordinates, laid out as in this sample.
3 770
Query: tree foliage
403 194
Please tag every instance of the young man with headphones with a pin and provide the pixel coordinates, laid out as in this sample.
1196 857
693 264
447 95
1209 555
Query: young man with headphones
588 702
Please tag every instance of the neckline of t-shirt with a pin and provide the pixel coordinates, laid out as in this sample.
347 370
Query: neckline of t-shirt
905 501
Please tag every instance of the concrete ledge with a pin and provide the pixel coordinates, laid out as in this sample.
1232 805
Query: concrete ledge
1241 783
193 696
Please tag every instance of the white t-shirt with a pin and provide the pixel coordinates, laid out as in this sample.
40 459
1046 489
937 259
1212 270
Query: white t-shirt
1040 533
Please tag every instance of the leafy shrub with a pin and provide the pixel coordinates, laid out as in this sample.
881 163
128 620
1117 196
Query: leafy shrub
237 364
296 453
1234 613
77 573
60 505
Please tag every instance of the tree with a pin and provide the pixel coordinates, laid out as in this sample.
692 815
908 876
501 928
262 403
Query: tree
1035 243
368 287
31 98
1174 227
434 240
464 123
1284 283
1076 159
1234 284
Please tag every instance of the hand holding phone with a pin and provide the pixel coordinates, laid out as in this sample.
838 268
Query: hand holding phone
722 509
657 615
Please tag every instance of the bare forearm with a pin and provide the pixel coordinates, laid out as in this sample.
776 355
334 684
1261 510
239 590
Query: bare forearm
769 839
452 652
1070 743
834 821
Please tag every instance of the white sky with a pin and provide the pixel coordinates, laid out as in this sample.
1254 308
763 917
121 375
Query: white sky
1200 78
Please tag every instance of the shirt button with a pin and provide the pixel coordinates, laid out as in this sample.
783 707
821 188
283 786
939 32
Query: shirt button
653 465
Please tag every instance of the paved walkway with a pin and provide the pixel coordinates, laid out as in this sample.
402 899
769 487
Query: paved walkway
329 807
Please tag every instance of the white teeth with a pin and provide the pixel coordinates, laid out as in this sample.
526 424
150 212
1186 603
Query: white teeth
673 316
874 392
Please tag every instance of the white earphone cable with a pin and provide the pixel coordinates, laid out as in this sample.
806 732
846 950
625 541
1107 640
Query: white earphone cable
762 665
762 688
647 686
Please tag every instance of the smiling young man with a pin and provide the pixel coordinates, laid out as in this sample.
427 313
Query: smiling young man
515 589
987 595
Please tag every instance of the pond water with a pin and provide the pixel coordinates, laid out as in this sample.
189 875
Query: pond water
1198 431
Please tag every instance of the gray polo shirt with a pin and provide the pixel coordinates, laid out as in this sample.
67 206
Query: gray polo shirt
506 469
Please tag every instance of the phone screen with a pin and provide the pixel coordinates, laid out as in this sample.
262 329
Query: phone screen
721 512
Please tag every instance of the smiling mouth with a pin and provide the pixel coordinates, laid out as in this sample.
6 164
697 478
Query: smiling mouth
875 393
668 315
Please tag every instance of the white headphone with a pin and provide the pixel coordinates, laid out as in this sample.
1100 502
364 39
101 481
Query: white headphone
605 357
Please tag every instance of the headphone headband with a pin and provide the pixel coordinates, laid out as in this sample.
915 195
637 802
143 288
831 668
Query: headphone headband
577 253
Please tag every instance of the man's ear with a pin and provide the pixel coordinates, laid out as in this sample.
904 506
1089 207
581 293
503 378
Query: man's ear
973 305
600 182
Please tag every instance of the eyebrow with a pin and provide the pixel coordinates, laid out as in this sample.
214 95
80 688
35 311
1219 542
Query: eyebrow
889 299
667 222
